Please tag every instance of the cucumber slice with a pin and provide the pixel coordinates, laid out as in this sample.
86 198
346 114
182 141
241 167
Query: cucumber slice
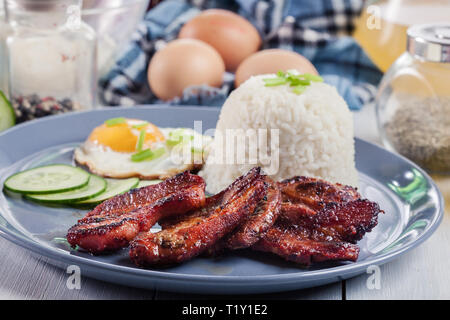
144 183
47 179
96 186
7 115
114 187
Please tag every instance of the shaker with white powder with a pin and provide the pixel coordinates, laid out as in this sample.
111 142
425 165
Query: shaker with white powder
52 58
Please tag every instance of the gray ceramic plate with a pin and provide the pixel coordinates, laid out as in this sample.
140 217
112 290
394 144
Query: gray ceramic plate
413 206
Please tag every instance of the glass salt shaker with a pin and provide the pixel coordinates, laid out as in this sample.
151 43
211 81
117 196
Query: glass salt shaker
51 58
413 102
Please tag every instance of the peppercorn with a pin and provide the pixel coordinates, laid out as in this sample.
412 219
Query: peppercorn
32 106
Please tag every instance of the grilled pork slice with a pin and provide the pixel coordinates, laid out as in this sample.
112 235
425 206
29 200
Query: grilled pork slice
342 222
115 222
258 222
319 221
296 244
306 196
191 235
329 234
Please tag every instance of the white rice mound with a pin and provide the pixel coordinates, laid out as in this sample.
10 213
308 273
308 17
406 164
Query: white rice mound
315 133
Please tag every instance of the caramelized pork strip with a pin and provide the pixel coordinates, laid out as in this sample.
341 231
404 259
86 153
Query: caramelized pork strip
249 231
303 196
258 222
319 221
343 222
295 244
330 234
193 234
115 222
138 198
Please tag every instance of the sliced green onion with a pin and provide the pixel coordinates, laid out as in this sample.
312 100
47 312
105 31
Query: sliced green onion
147 155
158 153
115 121
140 125
296 82
142 155
296 79
272 82
173 142
177 136
312 77
299 89
141 139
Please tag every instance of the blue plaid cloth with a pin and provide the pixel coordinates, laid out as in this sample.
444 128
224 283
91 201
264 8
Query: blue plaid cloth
317 29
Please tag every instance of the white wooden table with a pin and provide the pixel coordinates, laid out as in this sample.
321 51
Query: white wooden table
423 273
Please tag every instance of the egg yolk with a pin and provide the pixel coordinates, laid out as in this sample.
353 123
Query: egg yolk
123 137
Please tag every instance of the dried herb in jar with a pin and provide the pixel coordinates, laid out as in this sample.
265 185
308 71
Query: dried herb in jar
420 130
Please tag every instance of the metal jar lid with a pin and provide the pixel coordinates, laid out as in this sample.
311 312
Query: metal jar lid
430 42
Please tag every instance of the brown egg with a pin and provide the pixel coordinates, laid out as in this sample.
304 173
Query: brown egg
230 34
272 61
184 63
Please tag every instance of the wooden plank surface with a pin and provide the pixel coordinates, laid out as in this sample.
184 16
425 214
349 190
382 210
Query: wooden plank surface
327 292
25 276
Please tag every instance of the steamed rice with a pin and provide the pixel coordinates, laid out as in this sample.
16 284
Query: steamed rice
315 134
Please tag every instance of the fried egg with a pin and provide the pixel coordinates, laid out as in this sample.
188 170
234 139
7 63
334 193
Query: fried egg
125 148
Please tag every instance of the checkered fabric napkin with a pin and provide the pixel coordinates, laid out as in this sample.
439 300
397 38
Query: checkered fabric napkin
317 29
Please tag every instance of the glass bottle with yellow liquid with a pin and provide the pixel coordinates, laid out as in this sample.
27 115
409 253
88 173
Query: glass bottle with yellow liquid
381 28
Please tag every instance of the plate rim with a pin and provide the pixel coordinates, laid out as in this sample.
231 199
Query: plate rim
337 271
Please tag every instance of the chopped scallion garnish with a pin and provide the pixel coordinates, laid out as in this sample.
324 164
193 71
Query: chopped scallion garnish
140 125
115 121
299 89
177 136
298 82
147 155
142 155
312 77
141 140
158 153
272 82
173 142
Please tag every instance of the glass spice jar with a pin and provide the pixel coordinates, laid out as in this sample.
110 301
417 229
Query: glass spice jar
51 58
413 102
